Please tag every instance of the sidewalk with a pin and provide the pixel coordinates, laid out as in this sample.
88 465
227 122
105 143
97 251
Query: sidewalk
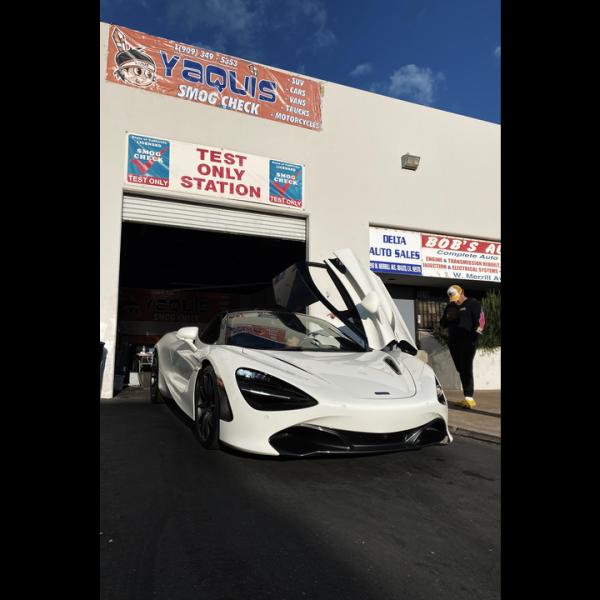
482 422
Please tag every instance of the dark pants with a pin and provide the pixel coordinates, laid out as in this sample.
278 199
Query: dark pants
463 353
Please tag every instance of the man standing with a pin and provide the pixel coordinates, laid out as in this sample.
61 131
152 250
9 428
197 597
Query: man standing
465 321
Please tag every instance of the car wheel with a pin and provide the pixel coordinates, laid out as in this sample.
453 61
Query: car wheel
155 395
207 409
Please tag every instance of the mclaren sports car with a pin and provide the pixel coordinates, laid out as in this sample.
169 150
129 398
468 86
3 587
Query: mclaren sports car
333 370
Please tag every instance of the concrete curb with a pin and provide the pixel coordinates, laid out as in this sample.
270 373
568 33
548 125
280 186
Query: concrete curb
484 437
473 411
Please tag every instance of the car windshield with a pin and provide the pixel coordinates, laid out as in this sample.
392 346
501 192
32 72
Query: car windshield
274 330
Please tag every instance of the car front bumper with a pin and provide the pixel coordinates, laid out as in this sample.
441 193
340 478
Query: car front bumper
307 440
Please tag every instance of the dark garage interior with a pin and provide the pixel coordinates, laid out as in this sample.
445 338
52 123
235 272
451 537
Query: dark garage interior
174 277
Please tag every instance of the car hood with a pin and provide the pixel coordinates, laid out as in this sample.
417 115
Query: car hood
373 375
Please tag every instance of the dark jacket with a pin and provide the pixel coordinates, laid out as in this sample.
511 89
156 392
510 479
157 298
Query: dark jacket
463 320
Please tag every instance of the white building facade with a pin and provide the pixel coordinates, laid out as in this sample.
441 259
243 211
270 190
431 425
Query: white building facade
348 188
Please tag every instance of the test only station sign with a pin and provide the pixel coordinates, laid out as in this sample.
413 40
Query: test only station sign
207 171
402 252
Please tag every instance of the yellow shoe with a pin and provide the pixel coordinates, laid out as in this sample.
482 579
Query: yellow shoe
467 403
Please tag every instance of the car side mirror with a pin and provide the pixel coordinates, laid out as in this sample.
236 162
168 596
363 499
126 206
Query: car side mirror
408 348
187 334
371 303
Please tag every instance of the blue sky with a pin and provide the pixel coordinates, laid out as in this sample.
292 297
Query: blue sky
440 53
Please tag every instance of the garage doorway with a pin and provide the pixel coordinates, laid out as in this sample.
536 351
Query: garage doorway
172 277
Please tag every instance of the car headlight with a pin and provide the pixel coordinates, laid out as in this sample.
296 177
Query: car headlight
440 392
265 392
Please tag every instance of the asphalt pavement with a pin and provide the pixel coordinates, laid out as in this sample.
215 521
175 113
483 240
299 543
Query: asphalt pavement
179 522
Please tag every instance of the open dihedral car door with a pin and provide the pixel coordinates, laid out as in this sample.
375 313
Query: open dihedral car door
364 305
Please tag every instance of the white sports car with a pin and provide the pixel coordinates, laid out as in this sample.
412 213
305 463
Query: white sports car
286 383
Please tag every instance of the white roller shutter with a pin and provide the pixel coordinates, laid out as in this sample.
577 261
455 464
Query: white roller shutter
213 218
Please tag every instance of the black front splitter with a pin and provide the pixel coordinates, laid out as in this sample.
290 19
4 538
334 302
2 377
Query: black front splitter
307 440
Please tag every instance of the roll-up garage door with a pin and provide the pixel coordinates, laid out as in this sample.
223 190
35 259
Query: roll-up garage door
213 218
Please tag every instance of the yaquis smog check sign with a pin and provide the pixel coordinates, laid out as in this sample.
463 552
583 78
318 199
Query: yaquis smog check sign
200 170
154 64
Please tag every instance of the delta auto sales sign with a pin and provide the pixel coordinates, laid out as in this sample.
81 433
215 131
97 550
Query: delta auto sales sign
201 170
207 77
401 252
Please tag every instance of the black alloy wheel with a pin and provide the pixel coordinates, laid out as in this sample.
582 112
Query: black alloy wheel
155 395
206 398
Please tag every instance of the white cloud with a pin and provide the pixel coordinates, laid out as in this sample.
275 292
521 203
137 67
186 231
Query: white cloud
497 52
300 15
235 22
217 44
242 26
414 83
315 11
361 69
324 38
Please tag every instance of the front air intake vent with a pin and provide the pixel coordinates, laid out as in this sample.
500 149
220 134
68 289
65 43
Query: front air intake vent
388 361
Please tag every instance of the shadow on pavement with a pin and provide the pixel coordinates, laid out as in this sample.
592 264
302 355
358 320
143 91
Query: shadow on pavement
178 521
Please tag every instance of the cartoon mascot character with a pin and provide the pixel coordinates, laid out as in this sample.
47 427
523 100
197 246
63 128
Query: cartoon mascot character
133 66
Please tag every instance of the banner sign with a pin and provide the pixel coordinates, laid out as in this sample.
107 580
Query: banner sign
403 252
460 258
207 77
215 172
395 251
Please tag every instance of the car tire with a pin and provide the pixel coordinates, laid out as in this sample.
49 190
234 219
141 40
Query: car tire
207 409
155 395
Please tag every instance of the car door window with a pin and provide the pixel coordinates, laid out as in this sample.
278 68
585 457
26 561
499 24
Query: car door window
327 287
221 339
211 331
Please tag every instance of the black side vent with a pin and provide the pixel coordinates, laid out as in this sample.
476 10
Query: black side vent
392 365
